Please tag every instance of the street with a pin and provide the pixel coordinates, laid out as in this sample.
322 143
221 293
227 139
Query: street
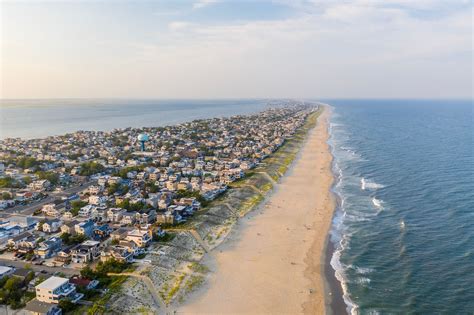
50 270
30 208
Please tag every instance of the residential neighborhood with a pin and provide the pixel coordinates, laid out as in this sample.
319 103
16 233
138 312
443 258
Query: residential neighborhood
93 198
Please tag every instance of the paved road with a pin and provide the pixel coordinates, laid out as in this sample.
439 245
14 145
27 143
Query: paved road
50 270
30 208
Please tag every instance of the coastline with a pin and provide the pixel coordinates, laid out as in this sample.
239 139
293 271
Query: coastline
283 241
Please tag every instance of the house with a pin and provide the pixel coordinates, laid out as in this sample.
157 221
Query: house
83 282
64 255
40 185
69 227
85 228
36 307
85 252
51 210
119 233
165 218
5 271
140 237
85 211
115 214
16 240
119 253
115 180
101 232
51 226
49 247
131 246
27 245
147 217
67 216
95 190
53 289
99 214
97 200
26 223
128 218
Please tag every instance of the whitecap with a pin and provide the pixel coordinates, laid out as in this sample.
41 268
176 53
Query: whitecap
362 280
369 185
402 225
377 203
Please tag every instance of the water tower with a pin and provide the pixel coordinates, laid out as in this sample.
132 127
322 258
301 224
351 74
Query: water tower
143 137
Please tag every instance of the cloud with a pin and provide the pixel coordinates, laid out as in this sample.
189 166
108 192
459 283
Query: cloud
179 25
346 49
203 3
360 48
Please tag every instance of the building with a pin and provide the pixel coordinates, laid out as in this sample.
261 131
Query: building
140 237
119 253
36 307
5 271
51 226
85 252
49 247
69 227
54 289
85 228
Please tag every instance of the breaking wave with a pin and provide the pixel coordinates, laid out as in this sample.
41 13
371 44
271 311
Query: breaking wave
369 185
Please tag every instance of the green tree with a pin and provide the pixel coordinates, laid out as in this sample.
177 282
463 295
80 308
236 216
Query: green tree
66 305
91 168
27 162
52 177
6 195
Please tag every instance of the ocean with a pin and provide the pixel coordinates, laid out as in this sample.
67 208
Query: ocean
41 118
404 228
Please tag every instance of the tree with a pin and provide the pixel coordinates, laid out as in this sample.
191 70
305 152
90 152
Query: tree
115 241
52 177
87 273
27 162
91 168
8 182
76 205
69 239
6 195
27 180
66 305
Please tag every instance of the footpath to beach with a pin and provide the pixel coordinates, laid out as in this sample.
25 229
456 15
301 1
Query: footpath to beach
271 262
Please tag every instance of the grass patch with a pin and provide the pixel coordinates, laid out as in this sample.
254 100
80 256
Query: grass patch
193 283
197 267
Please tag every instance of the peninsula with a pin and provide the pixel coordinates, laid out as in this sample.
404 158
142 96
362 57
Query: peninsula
126 220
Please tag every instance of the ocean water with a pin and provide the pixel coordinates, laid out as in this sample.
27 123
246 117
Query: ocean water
41 118
404 229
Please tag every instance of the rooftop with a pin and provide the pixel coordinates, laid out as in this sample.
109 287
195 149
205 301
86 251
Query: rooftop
52 283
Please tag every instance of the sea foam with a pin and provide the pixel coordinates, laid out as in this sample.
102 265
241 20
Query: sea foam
369 185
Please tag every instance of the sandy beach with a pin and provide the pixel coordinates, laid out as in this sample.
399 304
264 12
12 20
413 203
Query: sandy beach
271 262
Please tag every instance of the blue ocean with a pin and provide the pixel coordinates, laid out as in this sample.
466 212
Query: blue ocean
404 228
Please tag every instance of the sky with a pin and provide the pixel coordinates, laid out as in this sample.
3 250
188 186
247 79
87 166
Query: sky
236 49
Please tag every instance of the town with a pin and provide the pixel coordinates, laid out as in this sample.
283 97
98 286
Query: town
79 207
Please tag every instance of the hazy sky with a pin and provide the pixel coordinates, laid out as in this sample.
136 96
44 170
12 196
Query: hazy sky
220 49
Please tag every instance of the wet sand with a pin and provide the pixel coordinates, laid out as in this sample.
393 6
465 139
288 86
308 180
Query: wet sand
272 261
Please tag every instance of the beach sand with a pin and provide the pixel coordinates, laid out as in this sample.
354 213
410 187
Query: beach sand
271 263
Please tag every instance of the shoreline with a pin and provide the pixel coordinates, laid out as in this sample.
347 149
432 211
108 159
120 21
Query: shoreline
282 257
